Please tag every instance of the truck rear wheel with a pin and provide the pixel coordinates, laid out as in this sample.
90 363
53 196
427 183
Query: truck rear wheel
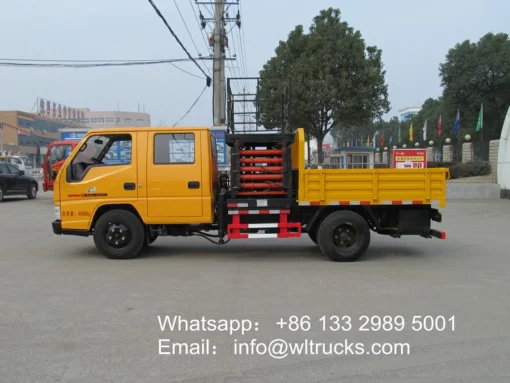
344 236
119 234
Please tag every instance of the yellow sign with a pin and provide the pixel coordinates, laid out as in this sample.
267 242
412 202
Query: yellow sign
410 158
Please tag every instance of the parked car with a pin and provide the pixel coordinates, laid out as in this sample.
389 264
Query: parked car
15 182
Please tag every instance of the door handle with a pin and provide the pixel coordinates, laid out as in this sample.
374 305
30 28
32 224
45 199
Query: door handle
129 186
193 185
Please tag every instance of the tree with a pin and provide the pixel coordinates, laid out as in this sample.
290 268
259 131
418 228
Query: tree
476 73
337 81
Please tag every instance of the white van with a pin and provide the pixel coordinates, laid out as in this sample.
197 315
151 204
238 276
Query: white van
20 162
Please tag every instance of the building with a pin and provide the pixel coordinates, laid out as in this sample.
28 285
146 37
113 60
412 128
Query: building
92 119
110 119
406 113
29 134
345 157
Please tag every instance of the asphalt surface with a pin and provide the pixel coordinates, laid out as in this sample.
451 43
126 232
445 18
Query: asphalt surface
69 315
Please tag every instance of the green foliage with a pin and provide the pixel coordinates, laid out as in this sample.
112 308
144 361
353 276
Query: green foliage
337 81
476 73
461 170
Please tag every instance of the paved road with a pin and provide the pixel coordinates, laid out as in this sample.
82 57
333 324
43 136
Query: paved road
69 315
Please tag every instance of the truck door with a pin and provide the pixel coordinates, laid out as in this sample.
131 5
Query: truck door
174 176
102 169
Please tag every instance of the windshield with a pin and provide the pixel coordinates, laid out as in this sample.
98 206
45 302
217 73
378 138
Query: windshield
60 152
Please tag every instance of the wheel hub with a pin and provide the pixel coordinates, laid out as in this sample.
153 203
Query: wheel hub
344 236
118 235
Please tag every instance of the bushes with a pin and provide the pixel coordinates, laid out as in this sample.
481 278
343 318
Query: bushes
460 170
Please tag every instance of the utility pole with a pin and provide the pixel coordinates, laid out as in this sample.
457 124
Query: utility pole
218 65
219 42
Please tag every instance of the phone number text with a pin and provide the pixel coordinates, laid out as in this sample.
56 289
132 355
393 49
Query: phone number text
363 323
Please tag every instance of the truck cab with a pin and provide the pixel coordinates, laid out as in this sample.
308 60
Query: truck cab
164 176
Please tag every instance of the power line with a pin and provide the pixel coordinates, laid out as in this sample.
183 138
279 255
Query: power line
186 26
81 61
192 106
199 26
189 33
208 83
185 71
90 65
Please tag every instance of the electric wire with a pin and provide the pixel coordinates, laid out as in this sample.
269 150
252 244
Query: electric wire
158 12
192 106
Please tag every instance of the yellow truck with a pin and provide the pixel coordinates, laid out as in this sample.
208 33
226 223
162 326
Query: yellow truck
169 185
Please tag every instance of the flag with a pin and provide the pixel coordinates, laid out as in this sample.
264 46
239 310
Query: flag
382 139
411 137
479 124
368 140
391 139
373 140
456 125
425 131
399 138
439 127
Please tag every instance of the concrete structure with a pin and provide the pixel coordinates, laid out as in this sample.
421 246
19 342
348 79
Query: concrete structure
352 157
460 190
106 119
493 161
447 153
468 152
430 154
28 133
406 113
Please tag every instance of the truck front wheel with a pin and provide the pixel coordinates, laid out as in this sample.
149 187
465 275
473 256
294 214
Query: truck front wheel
344 236
119 234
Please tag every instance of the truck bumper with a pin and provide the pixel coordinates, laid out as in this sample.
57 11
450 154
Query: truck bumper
57 229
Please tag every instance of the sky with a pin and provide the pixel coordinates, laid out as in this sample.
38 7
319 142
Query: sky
414 37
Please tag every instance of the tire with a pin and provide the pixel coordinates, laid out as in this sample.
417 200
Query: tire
32 191
2 194
348 227
119 234
313 235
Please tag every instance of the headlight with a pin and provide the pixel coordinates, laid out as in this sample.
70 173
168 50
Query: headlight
57 212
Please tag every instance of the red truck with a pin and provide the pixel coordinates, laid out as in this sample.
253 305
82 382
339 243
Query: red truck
57 153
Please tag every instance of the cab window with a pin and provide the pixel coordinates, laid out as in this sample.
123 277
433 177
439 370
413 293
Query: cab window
174 148
60 152
100 150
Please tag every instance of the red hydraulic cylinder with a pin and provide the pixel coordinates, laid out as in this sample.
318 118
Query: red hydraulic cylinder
261 169
261 177
261 193
267 152
261 185
276 161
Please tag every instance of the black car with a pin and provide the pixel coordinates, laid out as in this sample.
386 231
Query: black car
16 182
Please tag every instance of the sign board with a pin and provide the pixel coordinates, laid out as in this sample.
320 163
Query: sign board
221 147
73 136
410 158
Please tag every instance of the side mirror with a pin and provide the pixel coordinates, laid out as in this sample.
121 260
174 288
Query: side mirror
21 172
